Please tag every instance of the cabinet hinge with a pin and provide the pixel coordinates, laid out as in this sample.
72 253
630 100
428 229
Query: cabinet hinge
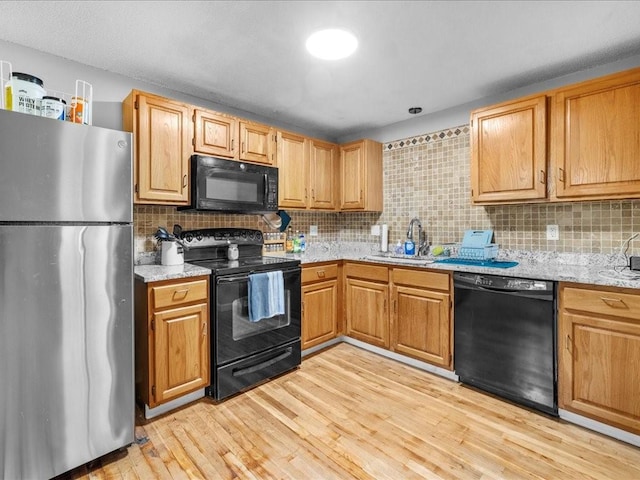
193 142
135 188
153 325
135 105
153 391
471 123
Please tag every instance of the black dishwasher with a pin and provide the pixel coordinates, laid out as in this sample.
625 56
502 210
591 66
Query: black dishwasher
505 338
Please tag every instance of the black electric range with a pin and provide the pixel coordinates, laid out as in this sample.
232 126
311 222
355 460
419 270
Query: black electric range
209 248
245 352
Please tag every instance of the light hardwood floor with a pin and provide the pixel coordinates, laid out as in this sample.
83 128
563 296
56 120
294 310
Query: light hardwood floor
348 413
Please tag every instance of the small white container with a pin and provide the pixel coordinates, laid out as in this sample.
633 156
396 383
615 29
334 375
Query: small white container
232 252
172 253
24 93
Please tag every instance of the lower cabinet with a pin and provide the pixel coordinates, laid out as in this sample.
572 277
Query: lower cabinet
367 297
421 324
320 300
404 310
172 339
599 354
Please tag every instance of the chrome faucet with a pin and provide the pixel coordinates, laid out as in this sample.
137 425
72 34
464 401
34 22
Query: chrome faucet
421 244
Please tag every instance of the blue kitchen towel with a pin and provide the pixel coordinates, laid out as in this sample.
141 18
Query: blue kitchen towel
266 295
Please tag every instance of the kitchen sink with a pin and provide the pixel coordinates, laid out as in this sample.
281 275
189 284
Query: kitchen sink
411 260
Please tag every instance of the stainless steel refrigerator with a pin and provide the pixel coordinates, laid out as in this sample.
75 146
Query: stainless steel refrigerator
66 295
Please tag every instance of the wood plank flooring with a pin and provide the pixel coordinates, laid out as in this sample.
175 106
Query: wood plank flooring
348 413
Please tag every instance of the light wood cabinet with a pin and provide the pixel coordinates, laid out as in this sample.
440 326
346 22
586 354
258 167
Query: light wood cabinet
361 176
308 173
595 145
509 152
161 148
320 300
421 325
293 170
323 175
215 134
172 339
257 143
598 354
367 303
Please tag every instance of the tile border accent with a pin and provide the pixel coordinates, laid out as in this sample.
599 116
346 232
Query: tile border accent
428 138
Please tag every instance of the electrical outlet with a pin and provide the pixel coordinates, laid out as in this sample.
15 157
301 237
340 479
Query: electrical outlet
313 230
375 230
553 232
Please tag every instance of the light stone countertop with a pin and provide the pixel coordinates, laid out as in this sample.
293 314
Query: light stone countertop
593 269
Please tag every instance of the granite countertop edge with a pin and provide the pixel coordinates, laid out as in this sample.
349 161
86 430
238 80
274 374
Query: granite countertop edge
591 269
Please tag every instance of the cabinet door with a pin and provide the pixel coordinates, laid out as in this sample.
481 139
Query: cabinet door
323 170
421 325
181 343
319 313
352 177
256 143
367 312
162 151
596 138
598 371
509 152
215 134
293 174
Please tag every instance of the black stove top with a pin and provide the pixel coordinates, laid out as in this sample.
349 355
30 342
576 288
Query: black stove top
208 248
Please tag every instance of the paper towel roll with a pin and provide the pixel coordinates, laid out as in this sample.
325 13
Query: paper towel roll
384 238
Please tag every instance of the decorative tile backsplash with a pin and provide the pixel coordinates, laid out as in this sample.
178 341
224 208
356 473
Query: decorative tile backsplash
428 177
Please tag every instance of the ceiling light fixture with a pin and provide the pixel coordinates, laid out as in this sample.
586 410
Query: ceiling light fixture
332 44
415 110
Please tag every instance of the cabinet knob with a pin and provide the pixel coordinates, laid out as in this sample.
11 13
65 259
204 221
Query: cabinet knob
614 302
320 274
542 177
561 174
184 181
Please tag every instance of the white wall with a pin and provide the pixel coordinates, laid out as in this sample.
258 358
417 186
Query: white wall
459 115
110 89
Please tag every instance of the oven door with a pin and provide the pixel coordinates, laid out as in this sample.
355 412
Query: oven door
235 336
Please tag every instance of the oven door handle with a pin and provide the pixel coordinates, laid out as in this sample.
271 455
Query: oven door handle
265 364
246 277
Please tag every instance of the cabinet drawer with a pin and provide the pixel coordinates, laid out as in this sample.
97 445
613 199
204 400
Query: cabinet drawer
317 273
178 293
603 302
368 272
416 278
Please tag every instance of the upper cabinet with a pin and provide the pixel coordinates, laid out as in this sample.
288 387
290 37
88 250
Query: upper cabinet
308 173
215 134
595 143
293 169
590 131
509 152
323 175
257 143
361 176
161 148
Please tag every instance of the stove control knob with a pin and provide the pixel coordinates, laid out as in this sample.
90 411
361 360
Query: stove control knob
258 236
188 237
199 237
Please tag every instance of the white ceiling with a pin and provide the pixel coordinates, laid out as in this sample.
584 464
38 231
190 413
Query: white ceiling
250 55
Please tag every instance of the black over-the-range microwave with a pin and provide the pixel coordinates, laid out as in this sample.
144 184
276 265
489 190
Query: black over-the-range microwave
230 186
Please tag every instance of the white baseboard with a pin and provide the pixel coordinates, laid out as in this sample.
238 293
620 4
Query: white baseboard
167 407
599 427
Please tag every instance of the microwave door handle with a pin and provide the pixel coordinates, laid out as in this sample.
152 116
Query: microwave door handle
266 188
